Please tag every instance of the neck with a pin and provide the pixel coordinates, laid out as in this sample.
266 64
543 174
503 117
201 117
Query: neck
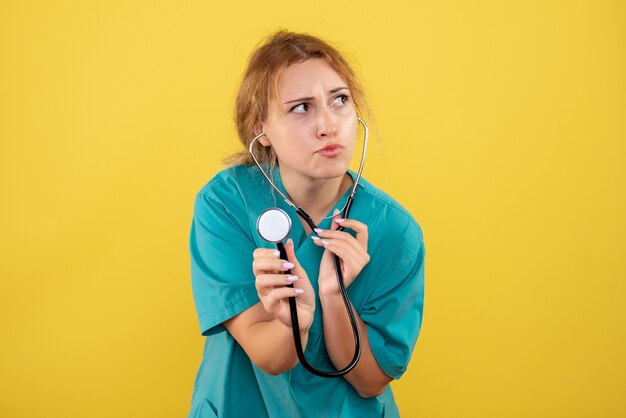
316 196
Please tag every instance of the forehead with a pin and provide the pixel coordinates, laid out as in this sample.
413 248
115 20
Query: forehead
303 77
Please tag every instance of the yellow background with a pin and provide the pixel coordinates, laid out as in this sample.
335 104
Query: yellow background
501 128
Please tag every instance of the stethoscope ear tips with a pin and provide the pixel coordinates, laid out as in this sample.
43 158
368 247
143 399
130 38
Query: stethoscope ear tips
273 225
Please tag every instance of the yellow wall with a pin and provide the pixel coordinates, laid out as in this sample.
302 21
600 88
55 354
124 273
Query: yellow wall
502 129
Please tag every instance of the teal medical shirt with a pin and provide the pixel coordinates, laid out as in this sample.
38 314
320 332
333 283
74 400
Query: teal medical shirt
388 296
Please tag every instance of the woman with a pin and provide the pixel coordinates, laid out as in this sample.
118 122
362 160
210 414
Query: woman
303 97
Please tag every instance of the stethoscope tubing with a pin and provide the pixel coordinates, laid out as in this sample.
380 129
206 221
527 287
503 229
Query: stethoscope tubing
295 325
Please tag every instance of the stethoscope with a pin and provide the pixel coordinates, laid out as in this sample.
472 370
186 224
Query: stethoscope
274 225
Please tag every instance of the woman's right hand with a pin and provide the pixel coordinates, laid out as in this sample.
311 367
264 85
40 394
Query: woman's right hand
272 281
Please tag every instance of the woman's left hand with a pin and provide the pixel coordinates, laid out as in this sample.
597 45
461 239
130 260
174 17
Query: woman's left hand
352 252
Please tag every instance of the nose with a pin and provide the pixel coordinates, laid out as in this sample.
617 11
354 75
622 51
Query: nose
326 124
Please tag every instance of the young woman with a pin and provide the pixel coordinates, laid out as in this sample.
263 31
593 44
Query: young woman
300 93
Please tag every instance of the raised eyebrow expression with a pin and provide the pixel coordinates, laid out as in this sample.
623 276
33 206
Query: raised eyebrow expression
308 99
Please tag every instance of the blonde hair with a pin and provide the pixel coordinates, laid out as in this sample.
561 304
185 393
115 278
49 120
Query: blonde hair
259 85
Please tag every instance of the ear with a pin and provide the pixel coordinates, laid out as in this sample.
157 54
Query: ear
258 128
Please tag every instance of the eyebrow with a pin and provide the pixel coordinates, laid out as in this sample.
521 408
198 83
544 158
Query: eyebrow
306 99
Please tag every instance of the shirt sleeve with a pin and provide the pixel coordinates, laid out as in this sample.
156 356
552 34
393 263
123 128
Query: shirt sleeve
393 311
221 250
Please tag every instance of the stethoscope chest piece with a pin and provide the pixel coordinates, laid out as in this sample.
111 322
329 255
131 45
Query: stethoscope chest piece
273 225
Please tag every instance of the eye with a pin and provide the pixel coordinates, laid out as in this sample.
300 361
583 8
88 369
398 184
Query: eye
300 108
341 99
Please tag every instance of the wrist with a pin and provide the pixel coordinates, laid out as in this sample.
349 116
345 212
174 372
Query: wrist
330 296
328 287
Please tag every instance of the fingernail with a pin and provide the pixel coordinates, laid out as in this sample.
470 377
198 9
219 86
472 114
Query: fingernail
276 253
336 212
288 265
291 278
314 238
326 243
289 241
339 220
298 291
318 230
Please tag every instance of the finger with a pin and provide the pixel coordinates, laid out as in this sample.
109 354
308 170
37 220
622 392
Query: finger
334 234
362 234
345 251
336 215
259 266
342 236
266 282
266 252
270 265
272 299
353 224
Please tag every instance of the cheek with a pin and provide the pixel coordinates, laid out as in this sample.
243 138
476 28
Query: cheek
289 135
283 140
351 129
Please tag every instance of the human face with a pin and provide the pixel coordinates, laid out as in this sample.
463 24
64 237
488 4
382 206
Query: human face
312 122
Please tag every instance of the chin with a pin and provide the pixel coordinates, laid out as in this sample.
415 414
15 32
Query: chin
331 172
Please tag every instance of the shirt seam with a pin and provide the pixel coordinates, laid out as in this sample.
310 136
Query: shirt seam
244 297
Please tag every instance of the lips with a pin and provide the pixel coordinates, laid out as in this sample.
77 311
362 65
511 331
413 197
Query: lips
330 150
